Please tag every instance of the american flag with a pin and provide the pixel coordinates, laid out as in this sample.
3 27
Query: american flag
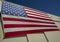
21 20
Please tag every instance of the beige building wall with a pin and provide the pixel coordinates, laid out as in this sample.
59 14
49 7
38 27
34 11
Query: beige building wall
56 19
53 36
1 32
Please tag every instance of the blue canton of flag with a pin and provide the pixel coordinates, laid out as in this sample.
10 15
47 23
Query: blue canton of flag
13 9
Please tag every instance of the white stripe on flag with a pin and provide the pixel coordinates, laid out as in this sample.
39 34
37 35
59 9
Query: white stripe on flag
37 16
26 28
32 23
10 16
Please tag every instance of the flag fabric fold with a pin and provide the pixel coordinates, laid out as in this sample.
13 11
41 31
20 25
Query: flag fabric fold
20 20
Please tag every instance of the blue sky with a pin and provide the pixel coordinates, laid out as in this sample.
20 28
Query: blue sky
50 6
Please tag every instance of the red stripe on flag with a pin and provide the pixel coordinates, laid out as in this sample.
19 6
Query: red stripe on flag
25 25
20 33
35 13
34 10
38 15
40 18
15 19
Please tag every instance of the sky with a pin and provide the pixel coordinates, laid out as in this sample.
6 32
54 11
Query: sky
49 6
